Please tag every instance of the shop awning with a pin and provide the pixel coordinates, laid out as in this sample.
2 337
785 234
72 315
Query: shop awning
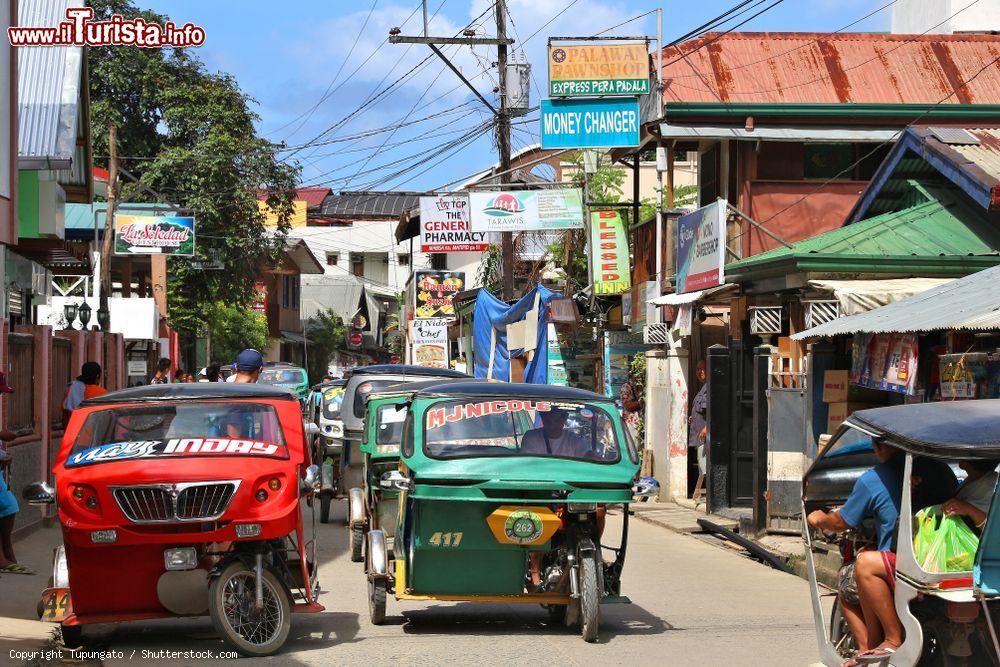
688 297
860 296
969 303
771 133
292 337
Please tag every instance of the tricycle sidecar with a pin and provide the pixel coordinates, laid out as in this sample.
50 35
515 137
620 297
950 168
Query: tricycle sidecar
184 500
503 490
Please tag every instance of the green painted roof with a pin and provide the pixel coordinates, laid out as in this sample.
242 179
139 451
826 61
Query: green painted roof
939 226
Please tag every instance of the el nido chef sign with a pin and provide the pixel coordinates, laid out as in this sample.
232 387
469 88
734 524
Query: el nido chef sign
609 253
154 235
444 226
598 69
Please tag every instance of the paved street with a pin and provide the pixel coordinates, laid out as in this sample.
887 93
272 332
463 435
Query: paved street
694 603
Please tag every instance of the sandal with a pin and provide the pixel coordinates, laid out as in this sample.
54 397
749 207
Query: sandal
14 568
876 655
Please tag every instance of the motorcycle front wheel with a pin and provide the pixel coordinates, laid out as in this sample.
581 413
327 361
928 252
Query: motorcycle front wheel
251 631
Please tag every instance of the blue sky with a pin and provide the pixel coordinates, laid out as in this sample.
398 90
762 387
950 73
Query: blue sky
287 55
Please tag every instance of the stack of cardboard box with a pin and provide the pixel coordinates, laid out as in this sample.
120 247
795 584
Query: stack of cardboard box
842 398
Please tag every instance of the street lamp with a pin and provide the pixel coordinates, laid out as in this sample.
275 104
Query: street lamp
104 318
85 310
69 311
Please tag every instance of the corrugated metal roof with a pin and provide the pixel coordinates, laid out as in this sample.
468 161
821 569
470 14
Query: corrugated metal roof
368 205
943 224
972 302
48 93
987 154
843 67
313 196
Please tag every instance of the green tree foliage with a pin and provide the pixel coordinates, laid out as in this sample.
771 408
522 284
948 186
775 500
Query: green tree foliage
605 185
189 135
234 329
327 333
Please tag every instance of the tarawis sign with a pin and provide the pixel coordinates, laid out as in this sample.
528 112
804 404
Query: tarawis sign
701 248
444 226
609 253
592 123
154 235
524 210
598 69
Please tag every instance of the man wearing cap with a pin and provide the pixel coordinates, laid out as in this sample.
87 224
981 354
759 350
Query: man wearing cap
241 423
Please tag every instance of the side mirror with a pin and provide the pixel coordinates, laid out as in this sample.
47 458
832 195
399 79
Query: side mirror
311 430
395 480
310 482
39 493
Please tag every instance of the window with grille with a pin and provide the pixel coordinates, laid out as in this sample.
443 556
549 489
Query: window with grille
332 258
357 264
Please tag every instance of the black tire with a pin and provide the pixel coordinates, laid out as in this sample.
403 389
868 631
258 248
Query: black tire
590 600
72 635
840 634
357 543
376 600
324 507
234 580
557 614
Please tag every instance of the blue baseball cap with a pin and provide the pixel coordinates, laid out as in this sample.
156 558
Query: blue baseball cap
249 361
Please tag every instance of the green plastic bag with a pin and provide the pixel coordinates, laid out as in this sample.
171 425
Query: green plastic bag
944 543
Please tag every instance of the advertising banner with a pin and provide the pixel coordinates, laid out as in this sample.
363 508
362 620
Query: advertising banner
885 361
591 123
598 69
434 290
154 235
701 248
429 339
260 298
524 210
609 253
444 226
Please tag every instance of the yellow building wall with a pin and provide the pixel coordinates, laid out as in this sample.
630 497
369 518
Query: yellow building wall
298 218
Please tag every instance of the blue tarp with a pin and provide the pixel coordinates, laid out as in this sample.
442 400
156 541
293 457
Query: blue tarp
493 314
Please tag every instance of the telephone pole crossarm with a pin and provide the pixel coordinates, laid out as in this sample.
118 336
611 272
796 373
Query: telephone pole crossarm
468 41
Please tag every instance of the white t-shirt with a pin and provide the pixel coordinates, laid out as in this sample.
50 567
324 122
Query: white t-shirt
979 492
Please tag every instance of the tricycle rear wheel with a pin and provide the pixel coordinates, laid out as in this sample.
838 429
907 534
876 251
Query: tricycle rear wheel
231 598
590 600
376 600
72 635
357 543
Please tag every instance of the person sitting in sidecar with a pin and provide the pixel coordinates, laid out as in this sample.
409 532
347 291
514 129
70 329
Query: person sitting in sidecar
972 499
877 496
553 438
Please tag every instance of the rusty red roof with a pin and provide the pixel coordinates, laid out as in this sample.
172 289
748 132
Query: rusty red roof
793 67
313 196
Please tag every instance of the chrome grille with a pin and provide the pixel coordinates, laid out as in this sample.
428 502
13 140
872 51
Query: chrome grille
166 503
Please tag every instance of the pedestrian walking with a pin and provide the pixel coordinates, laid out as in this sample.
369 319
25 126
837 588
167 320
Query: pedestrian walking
633 404
210 373
162 375
86 385
249 364
8 501
698 421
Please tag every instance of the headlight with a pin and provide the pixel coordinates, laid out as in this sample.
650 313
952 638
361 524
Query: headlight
247 529
185 558
581 507
104 536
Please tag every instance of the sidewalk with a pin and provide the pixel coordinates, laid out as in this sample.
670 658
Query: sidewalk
20 629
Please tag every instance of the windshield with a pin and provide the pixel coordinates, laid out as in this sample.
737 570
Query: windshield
333 398
179 430
456 429
282 376
389 429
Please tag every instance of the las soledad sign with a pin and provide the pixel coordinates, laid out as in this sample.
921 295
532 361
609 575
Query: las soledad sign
701 248
590 123
598 69
609 253
524 210
444 226
154 235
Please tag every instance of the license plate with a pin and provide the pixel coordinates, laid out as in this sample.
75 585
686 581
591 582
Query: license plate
57 605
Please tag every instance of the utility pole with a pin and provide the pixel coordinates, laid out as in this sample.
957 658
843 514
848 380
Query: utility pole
503 146
502 114
109 225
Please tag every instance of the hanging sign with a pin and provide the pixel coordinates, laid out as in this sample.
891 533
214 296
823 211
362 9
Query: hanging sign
885 361
444 226
524 210
430 342
154 235
592 123
598 69
434 291
701 248
609 253
260 297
